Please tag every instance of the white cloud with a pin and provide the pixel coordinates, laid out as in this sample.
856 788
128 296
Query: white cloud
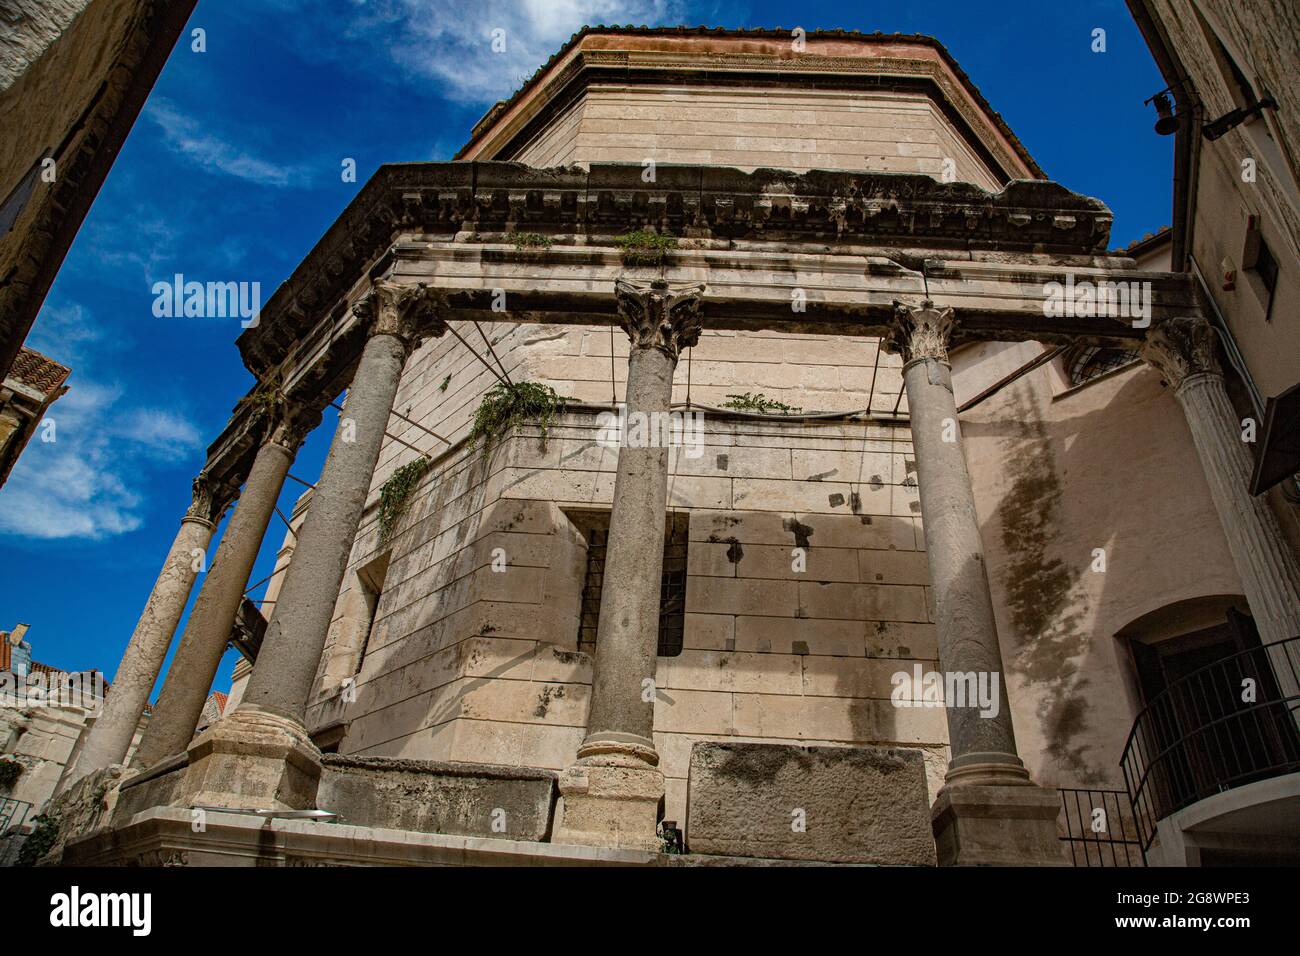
453 42
189 137
62 333
84 484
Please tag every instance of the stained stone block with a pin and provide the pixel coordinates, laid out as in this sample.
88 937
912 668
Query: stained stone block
832 804
513 803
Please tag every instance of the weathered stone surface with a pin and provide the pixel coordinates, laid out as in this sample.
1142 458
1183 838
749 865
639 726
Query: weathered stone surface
860 804
977 825
513 803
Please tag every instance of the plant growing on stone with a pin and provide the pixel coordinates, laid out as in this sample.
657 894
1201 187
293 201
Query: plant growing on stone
507 405
10 771
395 493
530 240
39 841
759 403
642 247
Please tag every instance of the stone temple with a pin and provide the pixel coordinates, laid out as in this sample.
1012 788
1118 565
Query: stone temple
887 515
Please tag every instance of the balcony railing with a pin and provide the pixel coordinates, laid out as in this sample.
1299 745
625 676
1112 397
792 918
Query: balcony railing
1227 724
1097 828
12 813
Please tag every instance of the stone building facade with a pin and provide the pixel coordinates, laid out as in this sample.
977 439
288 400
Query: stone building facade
73 77
560 640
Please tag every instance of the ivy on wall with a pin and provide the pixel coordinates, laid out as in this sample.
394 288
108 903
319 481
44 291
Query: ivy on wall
395 493
507 405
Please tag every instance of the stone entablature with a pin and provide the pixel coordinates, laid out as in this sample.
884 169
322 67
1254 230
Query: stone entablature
826 209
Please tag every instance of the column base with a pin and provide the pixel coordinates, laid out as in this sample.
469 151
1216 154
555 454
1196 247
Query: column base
253 760
997 825
611 798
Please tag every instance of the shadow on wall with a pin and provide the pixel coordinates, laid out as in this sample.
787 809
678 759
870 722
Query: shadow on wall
1071 486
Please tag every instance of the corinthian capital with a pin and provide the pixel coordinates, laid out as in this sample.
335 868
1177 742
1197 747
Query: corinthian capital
1180 348
288 422
211 498
920 333
412 313
656 315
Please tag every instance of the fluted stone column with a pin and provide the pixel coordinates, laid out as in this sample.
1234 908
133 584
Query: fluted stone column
261 756
189 679
988 812
110 737
611 795
1183 351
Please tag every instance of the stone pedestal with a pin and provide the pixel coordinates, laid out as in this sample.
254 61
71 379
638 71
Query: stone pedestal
610 800
979 825
252 760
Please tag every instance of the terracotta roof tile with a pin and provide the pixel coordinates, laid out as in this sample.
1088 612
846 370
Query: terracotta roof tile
35 370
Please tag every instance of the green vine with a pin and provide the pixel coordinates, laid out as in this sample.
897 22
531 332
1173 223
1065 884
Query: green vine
642 247
395 493
10 771
40 840
507 405
759 403
530 240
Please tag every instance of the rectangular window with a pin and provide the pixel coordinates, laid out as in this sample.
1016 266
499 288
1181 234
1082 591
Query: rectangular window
1257 258
594 526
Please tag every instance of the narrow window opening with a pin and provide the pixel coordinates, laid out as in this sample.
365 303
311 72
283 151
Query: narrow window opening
594 526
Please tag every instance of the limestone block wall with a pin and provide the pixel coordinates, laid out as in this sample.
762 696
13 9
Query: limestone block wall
44 740
784 129
1057 473
466 663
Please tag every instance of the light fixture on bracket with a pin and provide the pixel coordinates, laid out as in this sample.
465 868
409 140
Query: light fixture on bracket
1216 128
1168 121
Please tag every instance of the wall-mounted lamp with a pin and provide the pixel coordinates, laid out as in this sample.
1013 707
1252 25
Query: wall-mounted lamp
1216 128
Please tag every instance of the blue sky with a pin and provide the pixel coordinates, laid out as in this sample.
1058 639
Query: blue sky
232 173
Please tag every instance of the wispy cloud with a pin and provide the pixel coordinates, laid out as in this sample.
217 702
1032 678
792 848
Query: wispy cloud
192 138
483 53
88 482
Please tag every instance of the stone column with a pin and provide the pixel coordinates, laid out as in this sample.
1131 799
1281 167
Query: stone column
110 737
1183 351
988 812
261 756
189 679
611 795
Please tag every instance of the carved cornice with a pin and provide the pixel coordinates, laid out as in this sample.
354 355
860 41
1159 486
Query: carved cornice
921 333
656 315
1181 348
408 312
591 207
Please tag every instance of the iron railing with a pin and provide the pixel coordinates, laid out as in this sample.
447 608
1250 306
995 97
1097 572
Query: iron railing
1227 724
1099 829
13 813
